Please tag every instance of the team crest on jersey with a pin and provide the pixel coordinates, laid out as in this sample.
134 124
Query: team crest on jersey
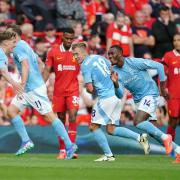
59 58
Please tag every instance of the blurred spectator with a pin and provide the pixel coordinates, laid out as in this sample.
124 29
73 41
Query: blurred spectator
115 6
127 114
177 21
126 118
172 67
100 28
142 37
163 30
94 45
102 7
78 32
89 8
5 14
155 4
50 37
2 26
147 10
40 48
40 12
27 33
174 11
120 34
68 13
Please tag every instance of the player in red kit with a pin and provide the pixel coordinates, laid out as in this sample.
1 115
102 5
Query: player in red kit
66 88
172 66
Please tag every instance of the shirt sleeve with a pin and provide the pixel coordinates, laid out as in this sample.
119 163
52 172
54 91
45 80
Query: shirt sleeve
86 72
144 64
119 91
3 63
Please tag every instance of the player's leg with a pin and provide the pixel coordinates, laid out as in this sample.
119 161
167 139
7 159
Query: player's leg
72 103
101 139
174 114
142 123
112 129
38 99
127 133
59 128
147 109
96 122
59 106
15 107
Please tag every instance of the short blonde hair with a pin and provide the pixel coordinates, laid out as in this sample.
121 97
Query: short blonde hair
82 45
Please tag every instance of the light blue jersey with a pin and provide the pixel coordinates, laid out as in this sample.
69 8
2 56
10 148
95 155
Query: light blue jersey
3 59
134 77
96 70
21 52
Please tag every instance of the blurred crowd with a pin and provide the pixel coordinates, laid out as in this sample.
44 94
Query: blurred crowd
143 28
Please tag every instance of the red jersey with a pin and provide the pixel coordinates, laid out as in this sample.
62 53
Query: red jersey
172 63
120 37
66 71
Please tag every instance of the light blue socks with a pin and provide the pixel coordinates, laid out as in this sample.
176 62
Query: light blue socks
127 133
20 128
102 141
61 131
151 129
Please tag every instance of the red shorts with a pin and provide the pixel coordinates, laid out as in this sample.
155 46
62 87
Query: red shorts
63 103
174 107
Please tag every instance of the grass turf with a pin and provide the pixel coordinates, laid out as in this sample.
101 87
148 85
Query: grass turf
46 167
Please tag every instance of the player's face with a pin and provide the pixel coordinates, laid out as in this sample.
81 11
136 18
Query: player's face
78 55
10 44
67 39
114 56
176 42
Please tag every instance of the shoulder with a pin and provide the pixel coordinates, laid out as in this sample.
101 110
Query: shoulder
2 55
168 55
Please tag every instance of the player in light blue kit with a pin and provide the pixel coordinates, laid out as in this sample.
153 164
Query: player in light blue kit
132 74
96 73
33 93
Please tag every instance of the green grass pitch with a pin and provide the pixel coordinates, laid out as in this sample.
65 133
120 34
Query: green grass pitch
46 167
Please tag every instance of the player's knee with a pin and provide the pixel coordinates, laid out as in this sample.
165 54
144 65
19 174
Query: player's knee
11 113
110 129
138 120
93 127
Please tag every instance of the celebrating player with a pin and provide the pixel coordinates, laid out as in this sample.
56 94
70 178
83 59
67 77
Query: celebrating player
96 73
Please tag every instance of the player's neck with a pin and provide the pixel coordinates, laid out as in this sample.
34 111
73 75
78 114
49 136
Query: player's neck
178 51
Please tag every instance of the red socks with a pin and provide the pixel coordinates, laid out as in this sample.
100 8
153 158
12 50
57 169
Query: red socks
72 131
171 131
